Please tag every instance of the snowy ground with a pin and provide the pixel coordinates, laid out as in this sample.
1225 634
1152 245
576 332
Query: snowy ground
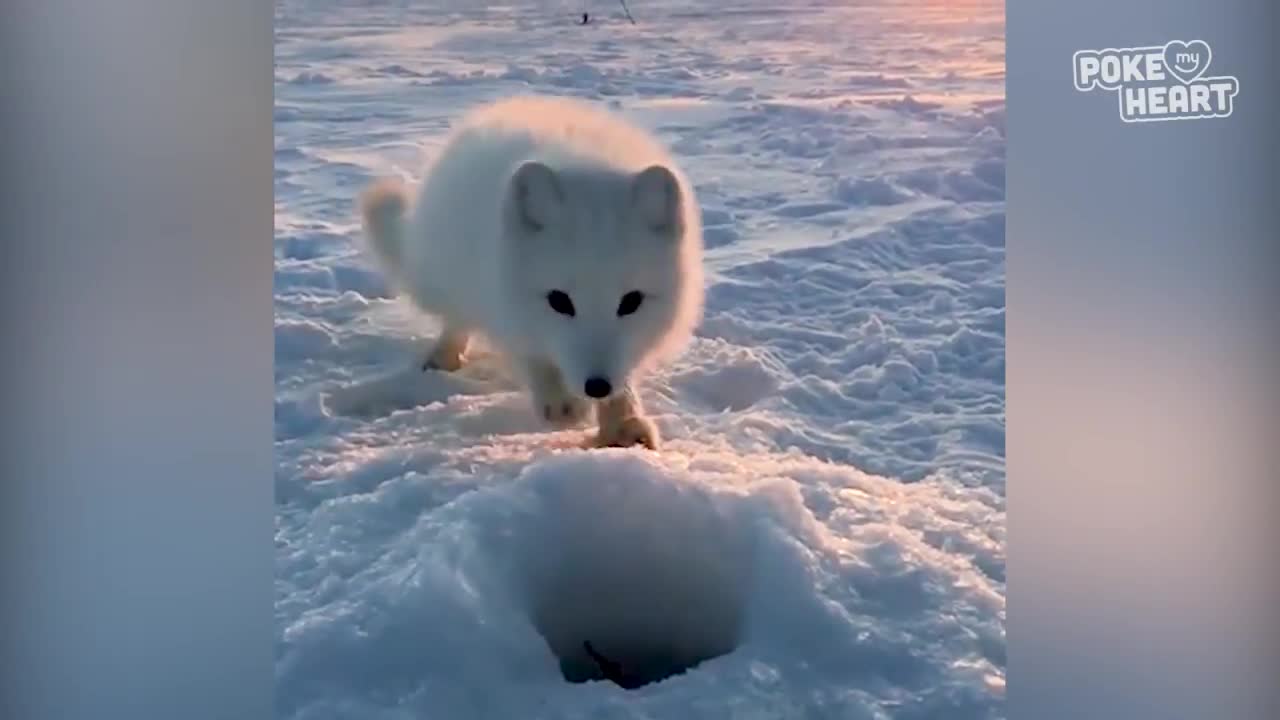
827 514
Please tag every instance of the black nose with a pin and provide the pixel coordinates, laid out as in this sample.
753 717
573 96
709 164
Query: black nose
598 387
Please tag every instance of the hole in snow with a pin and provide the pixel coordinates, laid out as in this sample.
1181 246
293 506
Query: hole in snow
632 576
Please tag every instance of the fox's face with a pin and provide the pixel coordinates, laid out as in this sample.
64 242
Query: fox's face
599 272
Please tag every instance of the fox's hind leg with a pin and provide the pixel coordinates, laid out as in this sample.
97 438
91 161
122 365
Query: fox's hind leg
623 424
446 354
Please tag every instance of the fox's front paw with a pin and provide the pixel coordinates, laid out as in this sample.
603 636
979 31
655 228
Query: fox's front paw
559 408
446 354
631 431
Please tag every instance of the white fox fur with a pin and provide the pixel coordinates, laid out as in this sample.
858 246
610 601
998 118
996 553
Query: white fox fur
534 196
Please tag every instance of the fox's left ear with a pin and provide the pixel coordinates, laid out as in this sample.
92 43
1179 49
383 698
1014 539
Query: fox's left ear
655 194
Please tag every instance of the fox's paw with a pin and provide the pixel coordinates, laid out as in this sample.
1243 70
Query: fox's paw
559 408
446 355
631 431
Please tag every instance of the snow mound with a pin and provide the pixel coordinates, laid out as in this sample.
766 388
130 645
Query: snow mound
689 572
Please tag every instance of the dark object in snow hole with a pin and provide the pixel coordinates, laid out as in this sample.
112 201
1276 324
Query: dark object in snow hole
629 668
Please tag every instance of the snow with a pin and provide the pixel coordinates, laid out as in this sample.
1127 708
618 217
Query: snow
822 534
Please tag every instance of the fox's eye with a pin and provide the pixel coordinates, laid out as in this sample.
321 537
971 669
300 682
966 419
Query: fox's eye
560 302
630 303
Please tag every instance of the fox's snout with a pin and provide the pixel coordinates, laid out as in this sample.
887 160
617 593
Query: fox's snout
597 387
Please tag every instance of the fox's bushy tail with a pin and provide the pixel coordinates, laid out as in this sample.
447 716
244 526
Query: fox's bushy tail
384 208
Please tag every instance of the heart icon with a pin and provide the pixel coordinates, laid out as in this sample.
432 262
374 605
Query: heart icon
1187 61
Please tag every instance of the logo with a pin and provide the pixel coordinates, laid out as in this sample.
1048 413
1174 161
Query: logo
1158 83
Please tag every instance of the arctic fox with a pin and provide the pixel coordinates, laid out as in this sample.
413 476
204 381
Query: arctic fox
566 237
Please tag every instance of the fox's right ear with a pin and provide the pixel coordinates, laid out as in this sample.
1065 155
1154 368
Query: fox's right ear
536 196
655 194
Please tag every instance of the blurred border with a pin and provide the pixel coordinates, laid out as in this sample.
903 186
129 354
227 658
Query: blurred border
137 470
1143 369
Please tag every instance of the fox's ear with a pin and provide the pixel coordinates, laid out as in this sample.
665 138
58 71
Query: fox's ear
655 194
537 198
